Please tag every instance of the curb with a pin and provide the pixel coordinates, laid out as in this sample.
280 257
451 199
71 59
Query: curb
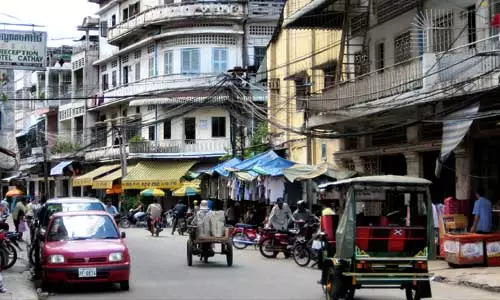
484 287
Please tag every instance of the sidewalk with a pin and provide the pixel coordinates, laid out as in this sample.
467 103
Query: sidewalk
486 278
17 280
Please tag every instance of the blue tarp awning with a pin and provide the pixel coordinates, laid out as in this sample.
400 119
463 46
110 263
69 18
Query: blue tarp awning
58 169
274 167
34 120
267 163
221 168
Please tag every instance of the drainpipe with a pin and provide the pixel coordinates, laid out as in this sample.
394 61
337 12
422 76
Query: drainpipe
244 42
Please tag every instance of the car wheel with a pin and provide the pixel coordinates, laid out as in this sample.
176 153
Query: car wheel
47 287
125 285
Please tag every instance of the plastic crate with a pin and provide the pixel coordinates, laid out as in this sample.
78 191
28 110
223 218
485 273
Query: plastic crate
493 250
463 249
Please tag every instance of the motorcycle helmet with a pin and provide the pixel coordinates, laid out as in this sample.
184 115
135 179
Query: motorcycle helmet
301 203
195 202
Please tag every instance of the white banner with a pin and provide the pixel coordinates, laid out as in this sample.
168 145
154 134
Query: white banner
23 50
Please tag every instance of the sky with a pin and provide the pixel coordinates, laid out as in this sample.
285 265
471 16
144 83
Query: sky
60 17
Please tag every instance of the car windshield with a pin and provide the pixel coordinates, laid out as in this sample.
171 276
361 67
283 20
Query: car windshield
75 206
82 227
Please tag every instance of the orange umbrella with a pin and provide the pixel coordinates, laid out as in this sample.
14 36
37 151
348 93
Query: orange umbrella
14 192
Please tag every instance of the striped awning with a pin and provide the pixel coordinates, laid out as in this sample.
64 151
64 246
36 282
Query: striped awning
106 182
156 174
455 127
59 168
86 179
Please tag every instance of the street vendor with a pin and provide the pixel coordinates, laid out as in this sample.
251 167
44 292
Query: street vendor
280 215
482 214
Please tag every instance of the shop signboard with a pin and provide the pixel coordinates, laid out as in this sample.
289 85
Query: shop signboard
23 50
493 249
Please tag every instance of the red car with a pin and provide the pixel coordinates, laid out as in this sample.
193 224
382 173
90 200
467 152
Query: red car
84 247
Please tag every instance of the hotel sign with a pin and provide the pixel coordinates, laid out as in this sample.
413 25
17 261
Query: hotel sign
23 50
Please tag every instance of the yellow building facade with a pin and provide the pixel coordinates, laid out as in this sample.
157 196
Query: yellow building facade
299 63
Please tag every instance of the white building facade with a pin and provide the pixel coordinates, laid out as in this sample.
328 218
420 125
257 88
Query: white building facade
159 65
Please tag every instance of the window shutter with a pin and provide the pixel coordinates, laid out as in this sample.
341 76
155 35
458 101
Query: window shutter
104 29
185 68
195 60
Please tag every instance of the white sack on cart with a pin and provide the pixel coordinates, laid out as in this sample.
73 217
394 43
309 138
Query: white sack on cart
217 221
202 220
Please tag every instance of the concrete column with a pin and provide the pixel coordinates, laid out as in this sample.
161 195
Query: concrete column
413 134
364 141
359 164
37 190
463 184
414 164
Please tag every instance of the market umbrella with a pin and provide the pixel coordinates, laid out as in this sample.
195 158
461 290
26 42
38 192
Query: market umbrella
153 193
188 191
14 192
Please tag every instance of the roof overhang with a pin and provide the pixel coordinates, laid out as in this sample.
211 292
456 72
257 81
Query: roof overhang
321 14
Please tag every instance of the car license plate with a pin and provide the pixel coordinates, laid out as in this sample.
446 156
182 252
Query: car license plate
317 245
87 272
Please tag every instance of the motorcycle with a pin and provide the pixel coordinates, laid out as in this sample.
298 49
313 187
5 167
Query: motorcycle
272 242
309 247
168 218
156 226
8 252
245 235
129 220
182 224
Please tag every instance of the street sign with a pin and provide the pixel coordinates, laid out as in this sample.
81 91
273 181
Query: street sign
23 50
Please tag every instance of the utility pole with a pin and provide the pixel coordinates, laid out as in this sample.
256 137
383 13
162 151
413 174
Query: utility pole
45 143
123 160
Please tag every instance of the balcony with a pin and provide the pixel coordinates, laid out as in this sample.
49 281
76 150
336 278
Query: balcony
155 85
81 47
266 10
219 10
175 148
436 74
103 153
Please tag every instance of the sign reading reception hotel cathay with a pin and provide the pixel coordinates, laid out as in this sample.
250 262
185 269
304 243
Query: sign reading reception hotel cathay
23 50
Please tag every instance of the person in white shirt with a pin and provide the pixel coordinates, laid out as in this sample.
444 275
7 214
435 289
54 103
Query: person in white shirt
280 215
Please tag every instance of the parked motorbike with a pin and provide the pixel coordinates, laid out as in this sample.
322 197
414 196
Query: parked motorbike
245 235
8 252
129 220
272 242
182 224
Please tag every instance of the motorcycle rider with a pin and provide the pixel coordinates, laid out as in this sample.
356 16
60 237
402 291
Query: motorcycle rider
180 210
280 215
153 212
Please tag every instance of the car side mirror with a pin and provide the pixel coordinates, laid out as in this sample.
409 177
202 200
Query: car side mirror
123 235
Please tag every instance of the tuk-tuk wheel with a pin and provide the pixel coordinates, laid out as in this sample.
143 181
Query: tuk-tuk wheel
189 253
413 293
229 254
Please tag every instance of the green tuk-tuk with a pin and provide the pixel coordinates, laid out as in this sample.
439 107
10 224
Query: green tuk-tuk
384 236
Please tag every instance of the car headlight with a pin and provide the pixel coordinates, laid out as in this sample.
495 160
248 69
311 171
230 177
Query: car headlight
116 256
56 259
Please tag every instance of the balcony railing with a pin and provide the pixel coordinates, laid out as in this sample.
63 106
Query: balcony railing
177 11
182 146
161 83
431 71
82 47
104 153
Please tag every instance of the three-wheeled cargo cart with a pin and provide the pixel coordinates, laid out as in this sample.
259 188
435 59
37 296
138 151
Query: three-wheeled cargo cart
203 246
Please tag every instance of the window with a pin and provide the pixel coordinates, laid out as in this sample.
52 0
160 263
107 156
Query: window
113 79
218 126
219 60
151 107
402 47
138 71
105 82
113 20
329 73
323 152
471 25
168 62
167 130
190 60
151 133
125 74
134 9
125 14
258 55
380 57
361 63
151 66
443 34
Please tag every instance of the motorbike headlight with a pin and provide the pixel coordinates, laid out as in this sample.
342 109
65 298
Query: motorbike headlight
116 256
56 259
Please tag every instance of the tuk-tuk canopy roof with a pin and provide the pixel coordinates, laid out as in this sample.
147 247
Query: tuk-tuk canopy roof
379 180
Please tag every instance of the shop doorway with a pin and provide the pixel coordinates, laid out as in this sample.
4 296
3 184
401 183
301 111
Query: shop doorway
486 166
444 186
393 164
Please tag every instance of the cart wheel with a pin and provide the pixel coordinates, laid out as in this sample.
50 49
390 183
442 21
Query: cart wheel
229 254
413 293
336 288
189 253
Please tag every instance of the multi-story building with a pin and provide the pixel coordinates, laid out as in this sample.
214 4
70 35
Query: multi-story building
419 82
299 63
160 63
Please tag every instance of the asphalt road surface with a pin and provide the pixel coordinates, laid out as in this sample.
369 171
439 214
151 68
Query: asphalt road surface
160 271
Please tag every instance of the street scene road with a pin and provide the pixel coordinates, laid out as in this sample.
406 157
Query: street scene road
159 271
